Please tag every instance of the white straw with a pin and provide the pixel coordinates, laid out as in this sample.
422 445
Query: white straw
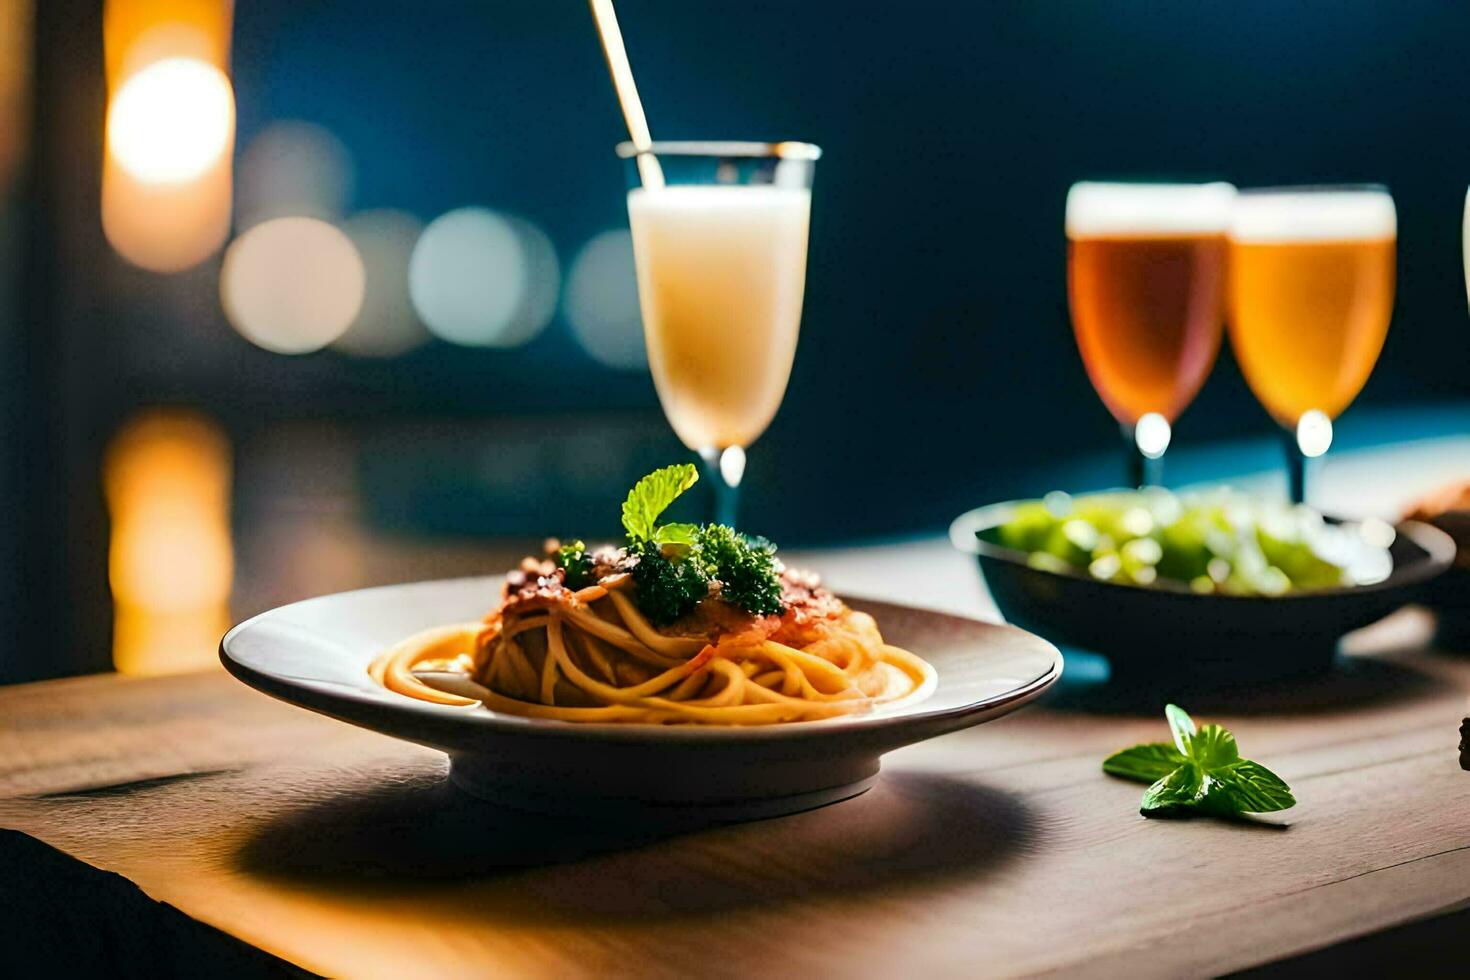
622 77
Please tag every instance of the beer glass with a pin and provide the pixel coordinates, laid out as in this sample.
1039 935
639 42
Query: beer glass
1311 295
1146 288
720 248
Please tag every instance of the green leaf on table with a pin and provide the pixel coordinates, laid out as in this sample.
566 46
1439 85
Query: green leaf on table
1248 787
1144 763
651 496
1181 725
1180 789
1201 772
1213 747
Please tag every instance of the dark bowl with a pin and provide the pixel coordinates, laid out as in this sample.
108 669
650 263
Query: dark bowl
1449 595
1170 631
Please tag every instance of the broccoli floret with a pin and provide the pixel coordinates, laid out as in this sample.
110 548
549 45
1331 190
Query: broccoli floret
668 588
576 564
746 567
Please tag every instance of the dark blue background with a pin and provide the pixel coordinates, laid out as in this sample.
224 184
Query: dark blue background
936 360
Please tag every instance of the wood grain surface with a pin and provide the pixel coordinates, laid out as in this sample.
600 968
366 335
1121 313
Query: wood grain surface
1002 850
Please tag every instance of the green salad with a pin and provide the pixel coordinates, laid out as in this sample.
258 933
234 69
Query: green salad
1218 541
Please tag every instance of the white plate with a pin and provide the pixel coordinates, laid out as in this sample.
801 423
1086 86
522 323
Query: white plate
315 654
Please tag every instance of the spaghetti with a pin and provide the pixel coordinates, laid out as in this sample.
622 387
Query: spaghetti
687 624
590 655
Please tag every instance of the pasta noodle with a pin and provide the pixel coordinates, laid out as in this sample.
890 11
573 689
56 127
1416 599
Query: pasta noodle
590 655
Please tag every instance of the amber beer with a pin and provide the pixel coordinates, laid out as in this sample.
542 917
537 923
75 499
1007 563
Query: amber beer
1146 284
1311 294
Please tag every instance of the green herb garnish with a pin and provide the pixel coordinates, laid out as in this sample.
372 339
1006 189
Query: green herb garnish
1200 772
678 565
745 566
651 496
676 539
577 565
668 588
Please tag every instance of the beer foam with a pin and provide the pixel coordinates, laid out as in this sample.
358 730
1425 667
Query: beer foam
717 197
1314 216
1098 209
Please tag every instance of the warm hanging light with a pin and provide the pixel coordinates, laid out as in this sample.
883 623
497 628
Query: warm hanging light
166 175
171 562
172 121
15 75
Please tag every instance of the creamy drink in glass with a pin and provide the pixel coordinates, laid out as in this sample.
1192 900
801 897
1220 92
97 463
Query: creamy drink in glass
721 248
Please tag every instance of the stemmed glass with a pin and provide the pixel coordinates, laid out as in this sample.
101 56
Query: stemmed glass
1146 287
720 245
1311 296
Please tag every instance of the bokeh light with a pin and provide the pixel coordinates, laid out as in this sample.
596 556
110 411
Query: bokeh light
542 283
166 172
601 301
292 285
171 121
165 227
386 326
138 33
171 562
1314 433
472 278
293 169
15 89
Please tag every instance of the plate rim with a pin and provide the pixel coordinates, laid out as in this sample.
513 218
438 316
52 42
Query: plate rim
309 697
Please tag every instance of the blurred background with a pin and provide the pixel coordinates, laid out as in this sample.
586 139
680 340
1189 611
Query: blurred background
297 297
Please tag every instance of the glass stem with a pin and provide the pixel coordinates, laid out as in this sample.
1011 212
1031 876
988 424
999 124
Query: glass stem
1143 470
724 468
1296 470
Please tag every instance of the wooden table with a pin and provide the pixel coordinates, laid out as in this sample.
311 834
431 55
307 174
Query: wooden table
1002 850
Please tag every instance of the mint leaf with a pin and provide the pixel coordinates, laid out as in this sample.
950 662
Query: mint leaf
676 538
1202 771
1145 763
1247 787
1181 788
1181 725
1213 748
651 496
